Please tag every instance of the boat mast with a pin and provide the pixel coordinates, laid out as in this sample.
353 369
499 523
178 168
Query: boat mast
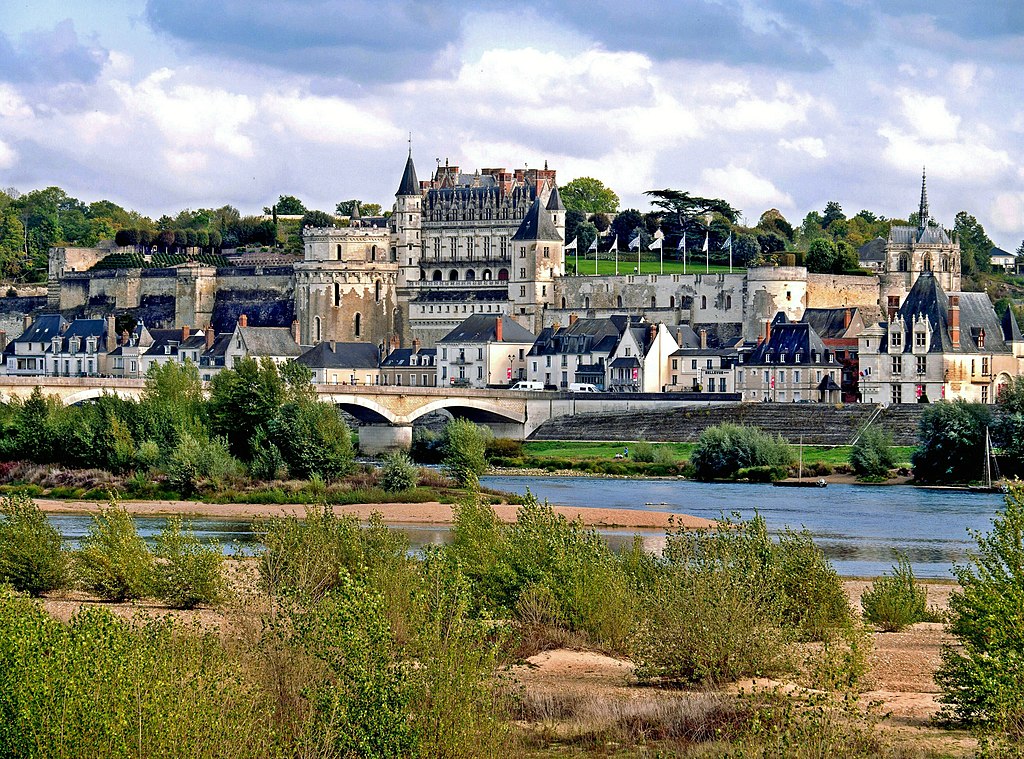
988 459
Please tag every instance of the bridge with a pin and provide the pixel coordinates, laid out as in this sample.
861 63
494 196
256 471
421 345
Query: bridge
386 413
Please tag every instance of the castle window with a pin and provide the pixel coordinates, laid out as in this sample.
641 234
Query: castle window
728 302
945 263
376 290
502 275
928 263
486 275
337 294
547 252
453 275
586 302
903 264
339 251
316 329
563 302
897 339
920 338
522 274
373 253
654 301
358 327
522 292
671 301
618 301
437 276
470 274
922 364
703 301
522 251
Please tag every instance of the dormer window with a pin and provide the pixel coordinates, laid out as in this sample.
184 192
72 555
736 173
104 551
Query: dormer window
920 339
981 339
797 358
897 339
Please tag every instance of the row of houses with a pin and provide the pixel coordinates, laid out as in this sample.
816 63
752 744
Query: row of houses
931 346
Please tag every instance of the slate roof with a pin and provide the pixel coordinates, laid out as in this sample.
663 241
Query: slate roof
328 355
1011 332
930 235
555 200
480 328
269 341
580 337
788 340
399 357
410 184
490 295
872 251
84 329
625 362
829 323
1000 253
43 329
537 225
214 355
724 335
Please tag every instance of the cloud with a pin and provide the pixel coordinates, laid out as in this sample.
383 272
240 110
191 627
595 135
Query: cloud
1007 212
812 146
742 188
327 120
7 156
929 116
965 159
50 57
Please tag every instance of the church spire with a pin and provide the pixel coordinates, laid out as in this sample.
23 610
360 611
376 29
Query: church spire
922 212
410 185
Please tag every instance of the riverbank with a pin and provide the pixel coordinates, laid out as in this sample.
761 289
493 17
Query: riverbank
394 513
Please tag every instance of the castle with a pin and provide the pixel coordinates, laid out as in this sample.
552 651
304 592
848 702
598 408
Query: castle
486 242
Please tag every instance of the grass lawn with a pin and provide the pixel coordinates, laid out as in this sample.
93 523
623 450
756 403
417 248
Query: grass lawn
627 263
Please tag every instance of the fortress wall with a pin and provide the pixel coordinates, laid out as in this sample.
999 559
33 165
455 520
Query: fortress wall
837 290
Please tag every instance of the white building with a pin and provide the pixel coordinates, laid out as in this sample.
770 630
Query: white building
483 351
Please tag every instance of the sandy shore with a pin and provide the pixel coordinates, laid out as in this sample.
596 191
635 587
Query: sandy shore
399 513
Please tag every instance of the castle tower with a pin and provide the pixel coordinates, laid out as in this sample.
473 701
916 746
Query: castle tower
557 211
537 259
406 227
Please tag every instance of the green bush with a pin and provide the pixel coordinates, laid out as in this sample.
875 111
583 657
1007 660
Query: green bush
982 675
723 450
313 439
148 455
872 454
951 442
503 447
642 452
398 473
196 461
895 601
187 572
32 557
114 561
664 454
762 473
464 446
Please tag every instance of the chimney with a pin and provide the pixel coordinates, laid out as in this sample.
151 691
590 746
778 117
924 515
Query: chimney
111 333
395 344
847 317
652 332
703 339
497 330
209 336
124 337
555 327
894 306
185 332
243 321
333 345
573 318
954 320
3 340
26 322
415 345
767 330
296 332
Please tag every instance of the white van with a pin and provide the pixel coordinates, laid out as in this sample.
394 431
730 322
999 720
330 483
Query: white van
528 385
583 387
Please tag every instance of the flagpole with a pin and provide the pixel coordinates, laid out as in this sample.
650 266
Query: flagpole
615 243
684 252
640 245
730 252
661 252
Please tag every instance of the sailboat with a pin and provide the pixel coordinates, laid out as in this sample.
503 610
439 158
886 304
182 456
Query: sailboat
991 477
799 482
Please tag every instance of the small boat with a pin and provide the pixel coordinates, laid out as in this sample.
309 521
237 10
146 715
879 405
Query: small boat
800 482
992 484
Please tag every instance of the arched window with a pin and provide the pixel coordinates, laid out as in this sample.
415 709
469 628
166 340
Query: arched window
437 277
903 264
358 328
927 262
486 275
618 301
316 329
563 302
470 274
945 263
339 251
423 274
654 301
337 293
376 290
703 301
503 275
373 253
453 275
586 302
728 302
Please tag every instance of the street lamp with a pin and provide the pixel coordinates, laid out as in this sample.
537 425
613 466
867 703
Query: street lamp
510 358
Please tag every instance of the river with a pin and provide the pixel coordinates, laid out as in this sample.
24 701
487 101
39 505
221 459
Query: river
859 527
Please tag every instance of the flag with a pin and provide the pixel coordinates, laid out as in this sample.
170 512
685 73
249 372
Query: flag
572 245
593 245
727 243
656 245
615 242
707 239
634 244
682 242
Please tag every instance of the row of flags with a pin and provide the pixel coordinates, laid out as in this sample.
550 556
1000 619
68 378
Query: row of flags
657 244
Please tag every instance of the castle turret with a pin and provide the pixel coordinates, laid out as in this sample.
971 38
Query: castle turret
406 230
557 210
536 262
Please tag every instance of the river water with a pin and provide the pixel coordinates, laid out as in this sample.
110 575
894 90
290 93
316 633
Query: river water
859 527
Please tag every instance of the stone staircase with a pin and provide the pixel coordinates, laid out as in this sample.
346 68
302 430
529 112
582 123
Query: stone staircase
902 421
817 424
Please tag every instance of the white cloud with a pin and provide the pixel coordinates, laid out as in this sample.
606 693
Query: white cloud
7 156
812 146
929 116
12 105
327 120
967 160
1007 212
743 188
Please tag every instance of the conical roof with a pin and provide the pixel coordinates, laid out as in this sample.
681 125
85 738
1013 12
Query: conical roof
410 184
555 200
537 225
1011 332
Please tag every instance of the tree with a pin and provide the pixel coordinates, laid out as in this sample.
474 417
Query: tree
287 205
347 207
317 219
683 212
313 439
951 438
975 245
601 221
625 224
821 256
833 212
1008 429
573 219
589 195
872 454
243 399
586 233
464 447
982 676
772 220
746 251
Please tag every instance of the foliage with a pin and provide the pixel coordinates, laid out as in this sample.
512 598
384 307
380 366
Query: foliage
895 601
187 572
313 439
951 441
1008 427
872 454
398 473
286 205
32 557
723 450
589 195
114 561
975 245
642 451
464 446
982 676
503 446
427 446
317 219
195 461
242 399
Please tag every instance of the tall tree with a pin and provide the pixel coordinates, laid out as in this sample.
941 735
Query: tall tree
287 205
975 245
683 212
589 195
346 207
317 219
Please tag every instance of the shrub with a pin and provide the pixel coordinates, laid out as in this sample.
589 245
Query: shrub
950 441
464 446
32 557
814 602
195 461
872 454
114 561
725 449
643 452
187 572
148 455
895 601
398 473
313 439
267 463
503 447
664 454
427 446
982 676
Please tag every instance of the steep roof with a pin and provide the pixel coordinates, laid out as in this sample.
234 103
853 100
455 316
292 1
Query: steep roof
930 235
333 355
43 329
269 341
555 200
1000 253
83 329
788 340
537 225
1011 332
580 337
400 357
480 328
410 184
872 251
830 323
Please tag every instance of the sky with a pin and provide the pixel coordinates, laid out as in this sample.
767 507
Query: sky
161 105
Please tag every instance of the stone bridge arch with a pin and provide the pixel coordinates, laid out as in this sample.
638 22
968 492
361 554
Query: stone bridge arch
92 393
